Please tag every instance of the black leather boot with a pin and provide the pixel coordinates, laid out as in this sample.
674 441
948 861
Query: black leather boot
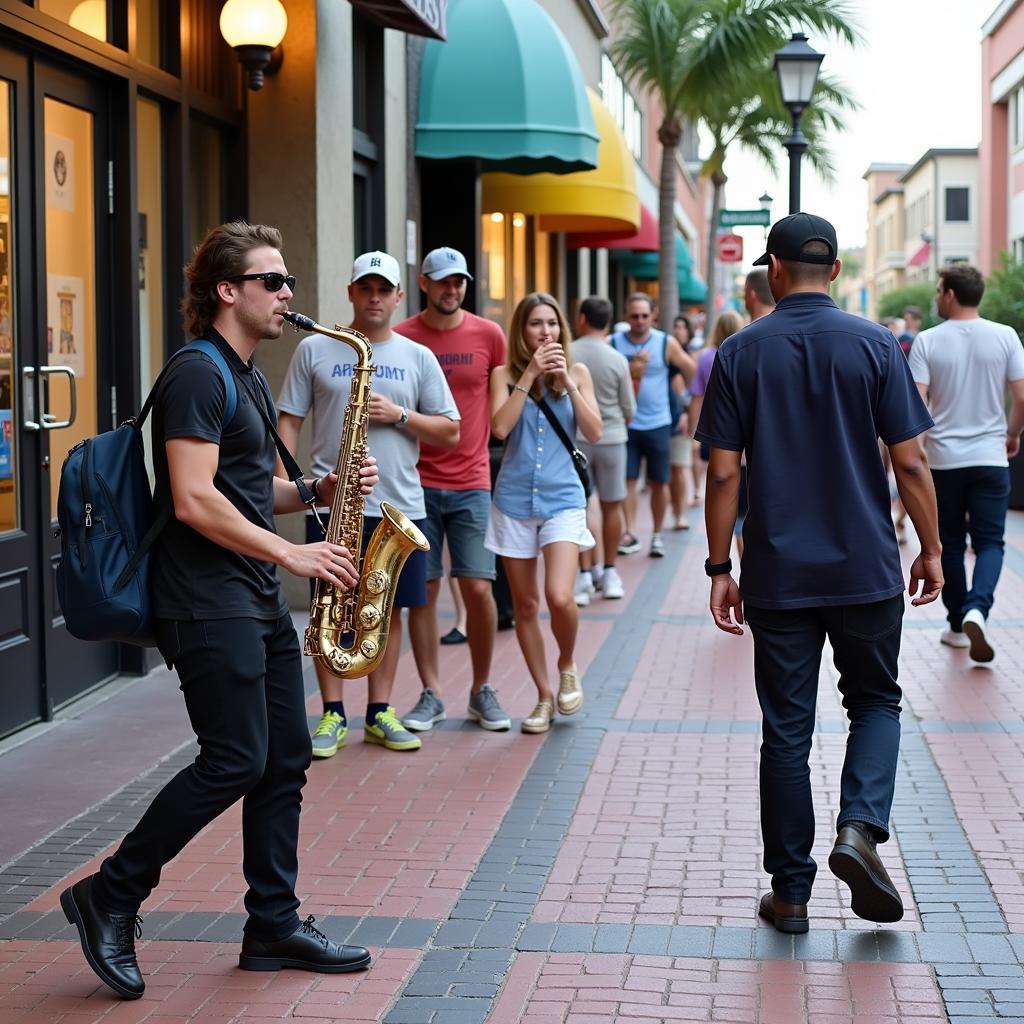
306 949
108 940
855 861
790 918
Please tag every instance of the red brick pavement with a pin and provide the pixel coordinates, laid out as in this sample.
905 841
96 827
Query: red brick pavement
667 833
566 988
190 981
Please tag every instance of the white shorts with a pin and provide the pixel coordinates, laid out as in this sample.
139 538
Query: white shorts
524 538
682 450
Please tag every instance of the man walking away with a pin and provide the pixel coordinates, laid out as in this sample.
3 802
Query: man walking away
757 295
963 367
807 392
613 389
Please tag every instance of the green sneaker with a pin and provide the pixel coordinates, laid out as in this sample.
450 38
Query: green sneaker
387 730
329 735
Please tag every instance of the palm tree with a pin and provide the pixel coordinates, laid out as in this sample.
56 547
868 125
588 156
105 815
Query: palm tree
707 59
758 121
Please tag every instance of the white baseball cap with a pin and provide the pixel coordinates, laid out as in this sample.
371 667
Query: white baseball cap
441 263
379 263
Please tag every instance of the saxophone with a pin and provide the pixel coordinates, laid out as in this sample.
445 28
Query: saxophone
361 616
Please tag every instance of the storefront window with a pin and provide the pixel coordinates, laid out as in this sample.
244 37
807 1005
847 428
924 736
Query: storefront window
206 179
504 272
88 16
149 154
147 31
8 392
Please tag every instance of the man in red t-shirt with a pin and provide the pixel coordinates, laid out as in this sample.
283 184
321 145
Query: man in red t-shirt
457 487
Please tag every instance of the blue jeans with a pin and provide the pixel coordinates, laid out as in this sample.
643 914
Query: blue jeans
971 500
865 641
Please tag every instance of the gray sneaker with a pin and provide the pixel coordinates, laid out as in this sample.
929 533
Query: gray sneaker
484 707
426 714
329 735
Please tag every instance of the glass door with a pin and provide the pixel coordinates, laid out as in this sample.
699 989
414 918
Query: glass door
72 378
21 520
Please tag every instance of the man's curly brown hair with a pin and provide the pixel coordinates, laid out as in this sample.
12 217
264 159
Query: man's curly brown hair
222 255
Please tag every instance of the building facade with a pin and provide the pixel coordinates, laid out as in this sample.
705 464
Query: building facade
941 202
884 260
1001 153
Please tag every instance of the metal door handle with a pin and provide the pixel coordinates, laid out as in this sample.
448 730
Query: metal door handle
29 399
49 423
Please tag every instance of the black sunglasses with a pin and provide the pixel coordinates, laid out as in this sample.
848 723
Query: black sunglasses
272 280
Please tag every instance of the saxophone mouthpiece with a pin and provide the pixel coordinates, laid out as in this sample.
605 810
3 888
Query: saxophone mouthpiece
299 321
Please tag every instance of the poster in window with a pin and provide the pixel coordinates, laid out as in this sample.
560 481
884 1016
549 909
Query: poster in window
65 323
60 172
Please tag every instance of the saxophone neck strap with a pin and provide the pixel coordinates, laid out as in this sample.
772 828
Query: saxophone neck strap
291 467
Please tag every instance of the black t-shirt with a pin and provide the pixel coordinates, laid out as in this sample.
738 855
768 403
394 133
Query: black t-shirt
194 577
807 391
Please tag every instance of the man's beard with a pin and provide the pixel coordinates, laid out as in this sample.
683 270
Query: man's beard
442 306
257 326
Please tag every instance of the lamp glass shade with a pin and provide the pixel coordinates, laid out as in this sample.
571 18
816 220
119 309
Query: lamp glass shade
765 200
253 23
90 17
796 66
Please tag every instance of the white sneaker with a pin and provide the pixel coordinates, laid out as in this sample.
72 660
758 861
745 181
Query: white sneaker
954 638
583 590
974 627
611 586
597 575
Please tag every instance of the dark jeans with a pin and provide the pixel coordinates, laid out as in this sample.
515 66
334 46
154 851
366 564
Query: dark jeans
242 682
971 500
865 640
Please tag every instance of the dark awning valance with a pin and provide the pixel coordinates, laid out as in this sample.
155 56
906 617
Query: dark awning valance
418 17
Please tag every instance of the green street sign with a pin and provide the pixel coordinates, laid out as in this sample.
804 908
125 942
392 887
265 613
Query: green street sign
731 218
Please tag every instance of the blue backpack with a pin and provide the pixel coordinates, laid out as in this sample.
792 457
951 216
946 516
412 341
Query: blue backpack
107 525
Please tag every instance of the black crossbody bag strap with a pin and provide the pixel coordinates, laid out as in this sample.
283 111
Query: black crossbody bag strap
291 467
579 460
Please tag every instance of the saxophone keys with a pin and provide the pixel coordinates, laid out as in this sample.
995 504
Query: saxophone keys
340 661
368 648
369 616
375 582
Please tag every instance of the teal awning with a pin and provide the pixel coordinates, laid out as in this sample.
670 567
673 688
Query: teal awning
505 89
644 265
694 292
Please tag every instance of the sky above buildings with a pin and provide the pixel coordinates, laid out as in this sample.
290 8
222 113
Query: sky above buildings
917 77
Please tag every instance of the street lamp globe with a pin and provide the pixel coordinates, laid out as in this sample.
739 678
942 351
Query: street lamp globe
765 201
796 66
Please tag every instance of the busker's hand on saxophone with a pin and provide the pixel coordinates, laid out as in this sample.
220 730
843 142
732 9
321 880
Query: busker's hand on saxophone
323 560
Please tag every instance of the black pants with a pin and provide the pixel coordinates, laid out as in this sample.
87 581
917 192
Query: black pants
242 681
865 641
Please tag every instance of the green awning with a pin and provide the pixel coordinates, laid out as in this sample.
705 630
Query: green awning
644 265
505 89
694 292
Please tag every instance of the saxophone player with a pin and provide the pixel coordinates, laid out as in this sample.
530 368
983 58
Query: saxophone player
410 401
223 623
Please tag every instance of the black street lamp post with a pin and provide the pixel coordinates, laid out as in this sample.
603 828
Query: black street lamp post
796 66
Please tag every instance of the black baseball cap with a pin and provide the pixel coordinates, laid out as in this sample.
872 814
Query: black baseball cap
789 235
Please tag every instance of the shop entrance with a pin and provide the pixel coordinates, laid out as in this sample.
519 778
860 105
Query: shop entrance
55 363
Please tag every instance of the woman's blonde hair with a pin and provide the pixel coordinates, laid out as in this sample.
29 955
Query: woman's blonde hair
727 324
519 354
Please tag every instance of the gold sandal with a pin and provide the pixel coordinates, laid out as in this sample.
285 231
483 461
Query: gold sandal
570 693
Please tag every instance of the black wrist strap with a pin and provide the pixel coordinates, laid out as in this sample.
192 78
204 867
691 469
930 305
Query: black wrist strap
717 568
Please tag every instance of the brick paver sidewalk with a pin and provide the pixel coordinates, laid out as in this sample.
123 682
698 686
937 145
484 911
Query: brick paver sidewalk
608 871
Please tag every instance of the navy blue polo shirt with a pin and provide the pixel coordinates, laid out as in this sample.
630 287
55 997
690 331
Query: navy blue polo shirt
807 391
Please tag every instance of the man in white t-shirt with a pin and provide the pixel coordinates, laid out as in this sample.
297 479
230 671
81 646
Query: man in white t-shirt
410 401
962 367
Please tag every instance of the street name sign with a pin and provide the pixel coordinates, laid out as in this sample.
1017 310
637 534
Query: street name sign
733 218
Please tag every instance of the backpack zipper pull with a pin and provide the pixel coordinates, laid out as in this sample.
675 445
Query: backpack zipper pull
88 513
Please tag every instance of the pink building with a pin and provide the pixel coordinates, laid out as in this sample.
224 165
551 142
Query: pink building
1002 134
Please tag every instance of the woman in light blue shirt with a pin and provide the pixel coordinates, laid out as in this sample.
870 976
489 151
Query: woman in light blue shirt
539 504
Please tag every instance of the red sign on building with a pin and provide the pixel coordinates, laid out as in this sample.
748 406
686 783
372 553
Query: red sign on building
730 248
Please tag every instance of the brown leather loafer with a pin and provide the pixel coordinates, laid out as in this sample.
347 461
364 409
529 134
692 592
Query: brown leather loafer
855 861
790 918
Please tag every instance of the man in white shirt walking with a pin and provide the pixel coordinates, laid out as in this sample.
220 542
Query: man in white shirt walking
962 367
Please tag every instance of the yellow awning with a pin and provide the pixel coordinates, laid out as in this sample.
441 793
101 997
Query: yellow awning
604 199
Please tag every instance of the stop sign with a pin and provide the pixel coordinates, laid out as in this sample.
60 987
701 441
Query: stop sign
730 248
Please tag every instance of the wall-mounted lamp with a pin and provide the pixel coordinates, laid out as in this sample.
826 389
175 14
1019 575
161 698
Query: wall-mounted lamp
90 16
254 28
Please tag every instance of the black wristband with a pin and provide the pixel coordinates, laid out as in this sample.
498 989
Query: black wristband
719 569
315 489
